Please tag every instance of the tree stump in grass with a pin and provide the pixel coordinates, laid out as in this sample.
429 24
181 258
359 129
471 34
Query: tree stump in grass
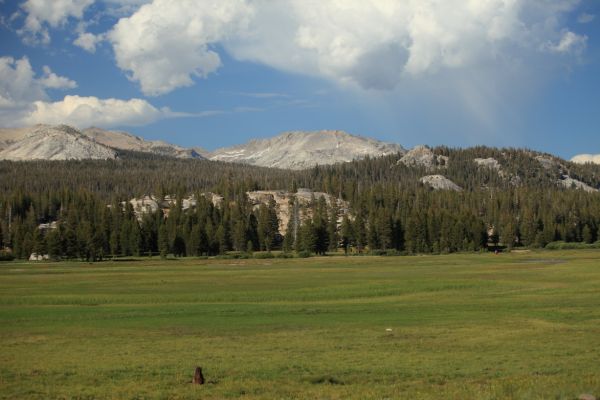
198 377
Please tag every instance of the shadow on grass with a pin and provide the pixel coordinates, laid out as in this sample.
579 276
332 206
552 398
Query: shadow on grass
326 380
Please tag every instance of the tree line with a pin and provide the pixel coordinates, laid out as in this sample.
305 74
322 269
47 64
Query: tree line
390 210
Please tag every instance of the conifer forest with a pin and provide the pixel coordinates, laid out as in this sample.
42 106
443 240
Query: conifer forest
81 209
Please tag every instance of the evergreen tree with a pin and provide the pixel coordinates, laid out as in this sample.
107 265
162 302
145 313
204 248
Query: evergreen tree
307 237
53 244
346 233
332 227
587 234
163 241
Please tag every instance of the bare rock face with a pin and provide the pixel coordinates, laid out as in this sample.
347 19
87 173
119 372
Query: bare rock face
490 163
284 204
61 142
547 162
38 257
303 197
440 182
423 156
144 205
301 150
9 136
571 183
126 141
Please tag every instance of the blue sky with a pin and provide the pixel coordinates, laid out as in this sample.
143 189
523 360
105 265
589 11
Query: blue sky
211 73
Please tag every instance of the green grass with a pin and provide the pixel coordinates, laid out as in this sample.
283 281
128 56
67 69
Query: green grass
476 326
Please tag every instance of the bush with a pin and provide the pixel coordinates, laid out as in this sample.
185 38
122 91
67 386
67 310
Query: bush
377 252
284 255
560 245
390 252
6 256
304 254
261 256
234 255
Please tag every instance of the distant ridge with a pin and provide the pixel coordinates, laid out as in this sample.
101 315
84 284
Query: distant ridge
63 142
127 141
300 150
44 142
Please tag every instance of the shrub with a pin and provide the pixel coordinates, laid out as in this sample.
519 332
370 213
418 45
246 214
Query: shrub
560 245
6 256
304 254
264 255
284 255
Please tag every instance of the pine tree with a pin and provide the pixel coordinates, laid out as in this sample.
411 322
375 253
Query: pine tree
319 223
359 233
346 233
586 234
53 244
307 237
179 246
163 241
332 227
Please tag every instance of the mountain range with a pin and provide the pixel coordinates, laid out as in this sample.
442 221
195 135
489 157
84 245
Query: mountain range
290 150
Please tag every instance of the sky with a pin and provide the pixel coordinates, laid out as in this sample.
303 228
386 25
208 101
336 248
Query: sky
213 73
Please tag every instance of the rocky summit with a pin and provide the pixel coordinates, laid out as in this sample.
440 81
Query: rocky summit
44 142
423 156
301 150
63 142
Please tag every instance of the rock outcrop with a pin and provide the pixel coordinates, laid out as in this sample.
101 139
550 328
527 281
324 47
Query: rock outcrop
440 182
490 163
423 156
284 204
571 183
547 162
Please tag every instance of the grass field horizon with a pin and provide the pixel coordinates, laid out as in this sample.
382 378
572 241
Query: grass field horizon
461 326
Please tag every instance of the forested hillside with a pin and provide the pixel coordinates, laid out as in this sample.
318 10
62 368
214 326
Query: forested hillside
506 196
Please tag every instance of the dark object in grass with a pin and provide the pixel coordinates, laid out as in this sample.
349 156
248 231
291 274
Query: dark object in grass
328 380
198 377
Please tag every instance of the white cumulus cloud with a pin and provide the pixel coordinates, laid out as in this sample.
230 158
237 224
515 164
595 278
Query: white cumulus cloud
52 81
92 111
41 13
24 101
88 41
166 43
373 44
19 85
586 158
569 43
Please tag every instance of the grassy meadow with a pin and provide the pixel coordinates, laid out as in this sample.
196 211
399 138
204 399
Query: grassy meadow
464 326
